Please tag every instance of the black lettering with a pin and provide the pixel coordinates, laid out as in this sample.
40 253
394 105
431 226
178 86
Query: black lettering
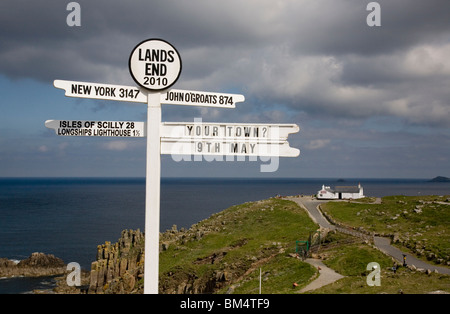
155 55
148 56
87 89
163 69
155 69
81 89
148 69
163 55
170 58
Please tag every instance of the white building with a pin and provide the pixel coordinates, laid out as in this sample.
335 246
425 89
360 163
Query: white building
341 192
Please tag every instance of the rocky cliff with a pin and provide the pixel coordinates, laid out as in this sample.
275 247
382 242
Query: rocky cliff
119 266
37 265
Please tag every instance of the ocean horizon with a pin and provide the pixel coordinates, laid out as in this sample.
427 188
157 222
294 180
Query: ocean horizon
69 217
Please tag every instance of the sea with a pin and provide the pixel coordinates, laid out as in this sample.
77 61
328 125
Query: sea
69 217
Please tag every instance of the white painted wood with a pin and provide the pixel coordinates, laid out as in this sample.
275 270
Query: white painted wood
92 128
152 195
101 91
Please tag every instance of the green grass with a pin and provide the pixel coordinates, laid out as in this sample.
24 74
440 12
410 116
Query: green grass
424 233
404 281
224 253
277 277
352 260
235 240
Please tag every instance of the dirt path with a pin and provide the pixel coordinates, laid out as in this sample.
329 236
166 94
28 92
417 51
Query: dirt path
384 245
326 275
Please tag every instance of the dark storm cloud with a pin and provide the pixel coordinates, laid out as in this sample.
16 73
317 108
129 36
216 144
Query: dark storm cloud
109 28
314 56
370 101
339 27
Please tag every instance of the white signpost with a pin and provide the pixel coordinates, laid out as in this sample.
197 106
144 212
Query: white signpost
155 66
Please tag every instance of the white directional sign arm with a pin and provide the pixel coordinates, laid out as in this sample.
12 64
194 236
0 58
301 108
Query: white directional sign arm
247 131
196 98
101 91
97 128
138 94
237 139
230 148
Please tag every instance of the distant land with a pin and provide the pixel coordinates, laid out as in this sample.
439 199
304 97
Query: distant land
440 179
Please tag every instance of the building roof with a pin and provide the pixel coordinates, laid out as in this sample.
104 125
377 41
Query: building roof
346 189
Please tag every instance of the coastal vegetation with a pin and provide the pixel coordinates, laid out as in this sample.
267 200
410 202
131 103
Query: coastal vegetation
230 247
417 224
235 250
258 239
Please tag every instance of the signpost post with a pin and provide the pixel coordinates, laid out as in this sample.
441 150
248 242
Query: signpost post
152 195
155 66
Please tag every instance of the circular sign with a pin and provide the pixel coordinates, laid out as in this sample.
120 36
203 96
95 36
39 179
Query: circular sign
155 64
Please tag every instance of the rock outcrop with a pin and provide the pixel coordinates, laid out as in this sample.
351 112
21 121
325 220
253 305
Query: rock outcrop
119 266
37 265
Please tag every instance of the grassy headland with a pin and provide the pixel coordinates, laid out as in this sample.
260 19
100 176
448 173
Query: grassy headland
418 224
224 252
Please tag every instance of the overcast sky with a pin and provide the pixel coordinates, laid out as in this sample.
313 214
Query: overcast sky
371 102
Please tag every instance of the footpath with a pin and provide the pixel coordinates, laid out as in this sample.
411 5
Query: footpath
328 275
